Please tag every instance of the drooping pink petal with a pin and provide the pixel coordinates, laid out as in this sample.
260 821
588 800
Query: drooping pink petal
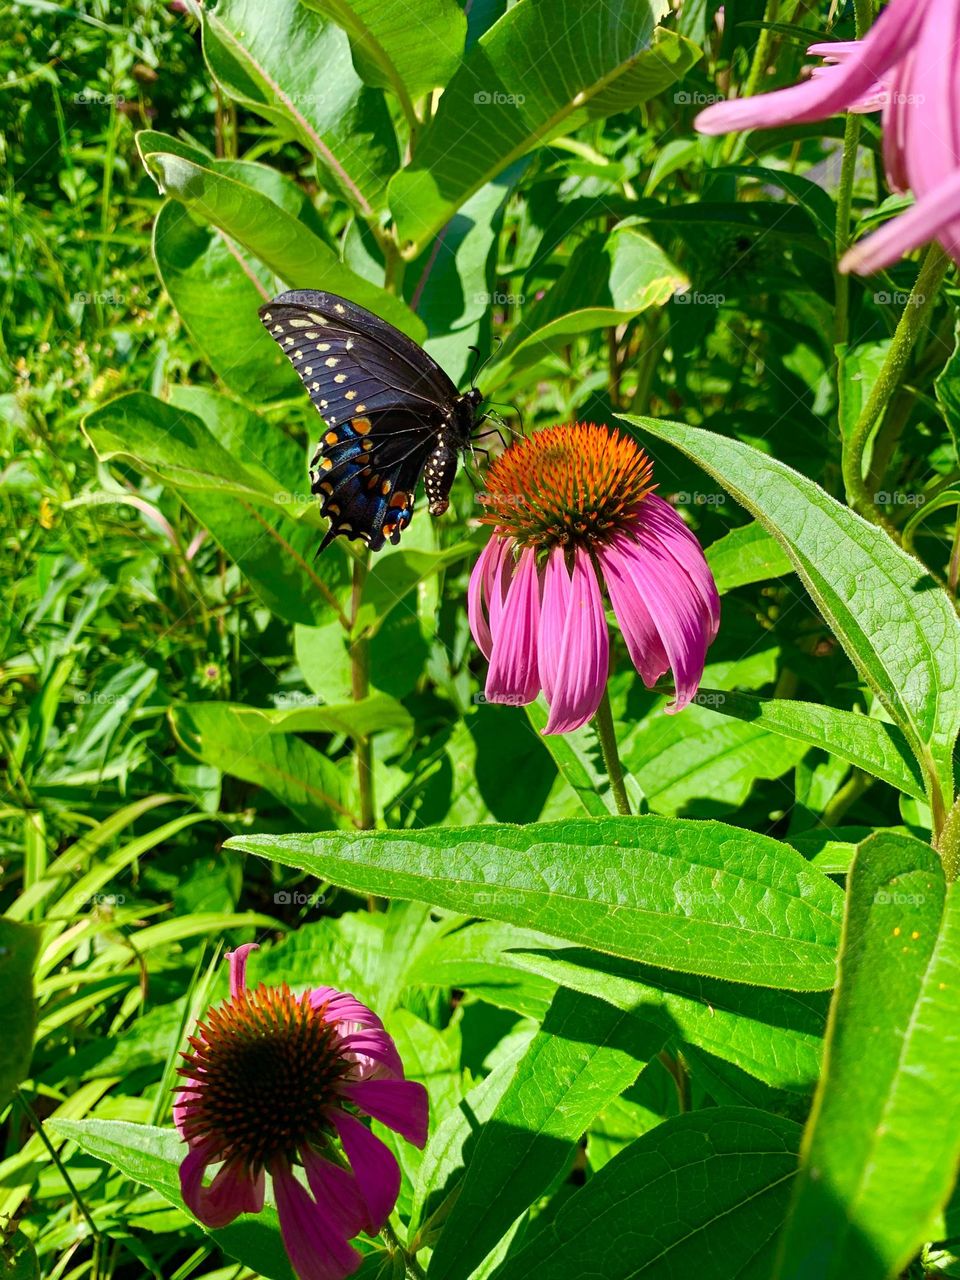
480 593
234 1190
402 1105
672 601
642 638
927 220
341 1006
238 967
315 1242
338 1189
573 647
683 545
512 675
374 1166
378 1048
815 99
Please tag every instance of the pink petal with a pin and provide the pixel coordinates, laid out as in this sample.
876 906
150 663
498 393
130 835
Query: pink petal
375 1045
374 1166
315 1241
886 42
402 1105
671 600
923 222
512 676
233 1191
668 524
343 1007
480 593
642 638
573 646
338 1189
238 967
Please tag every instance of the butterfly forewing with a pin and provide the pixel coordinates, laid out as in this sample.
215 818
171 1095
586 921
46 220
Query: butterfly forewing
386 404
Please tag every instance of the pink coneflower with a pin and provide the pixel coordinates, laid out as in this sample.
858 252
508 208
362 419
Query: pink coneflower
274 1083
573 512
907 66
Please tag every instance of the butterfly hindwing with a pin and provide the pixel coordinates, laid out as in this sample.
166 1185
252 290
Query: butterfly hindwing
386 403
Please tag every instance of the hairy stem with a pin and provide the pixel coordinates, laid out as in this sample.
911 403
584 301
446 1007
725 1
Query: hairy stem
603 724
360 687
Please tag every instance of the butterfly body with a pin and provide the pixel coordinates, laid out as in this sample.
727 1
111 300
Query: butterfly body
391 414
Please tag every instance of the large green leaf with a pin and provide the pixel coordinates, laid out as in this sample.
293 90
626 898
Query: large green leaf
508 97
253 219
246 510
872 745
703 1194
256 746
608 280
695 896
406 50
19 944
585 1055
217 290
152 1157
881 1148
898 627
775 1036
295 69
744 555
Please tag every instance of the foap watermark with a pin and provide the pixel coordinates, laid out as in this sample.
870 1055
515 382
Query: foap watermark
894 898
297 698
898 498
282 99
296 898
94 98
502 299
696 98
496 98
898 298
286 497
693 298
707 699
100 299
697 499
106 900
508 700
82 699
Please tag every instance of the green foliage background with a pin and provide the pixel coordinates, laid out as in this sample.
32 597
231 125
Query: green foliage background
209 737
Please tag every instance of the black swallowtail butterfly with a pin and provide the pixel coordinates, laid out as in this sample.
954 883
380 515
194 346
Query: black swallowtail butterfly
392 414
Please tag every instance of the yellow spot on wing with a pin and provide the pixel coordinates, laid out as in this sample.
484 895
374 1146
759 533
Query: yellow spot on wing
361 425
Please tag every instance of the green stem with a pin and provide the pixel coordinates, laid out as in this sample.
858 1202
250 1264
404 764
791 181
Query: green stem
360 682
848 169
911 325
413 1267
603 724
761 59
61 1167
948 843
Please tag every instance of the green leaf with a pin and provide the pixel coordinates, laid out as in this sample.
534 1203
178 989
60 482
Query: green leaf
254 745
695 896
608 280
254 220
775 1036
745 555
397 49
898 628
883 1140
506 98
571 753
878 748
585 1055
245 510
702 1194
19 945
217 291
152 1157
295 70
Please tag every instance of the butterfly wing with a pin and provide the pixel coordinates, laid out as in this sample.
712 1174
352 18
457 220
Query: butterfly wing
384 401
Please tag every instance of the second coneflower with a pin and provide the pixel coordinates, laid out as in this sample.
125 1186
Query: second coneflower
574 517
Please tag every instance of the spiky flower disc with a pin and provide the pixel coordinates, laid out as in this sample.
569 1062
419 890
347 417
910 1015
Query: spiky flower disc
262 1070
571 485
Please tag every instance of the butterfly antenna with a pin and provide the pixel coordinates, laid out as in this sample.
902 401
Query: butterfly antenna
479 368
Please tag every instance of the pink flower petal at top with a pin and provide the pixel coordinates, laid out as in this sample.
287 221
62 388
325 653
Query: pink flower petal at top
907 65
270 1084
572 511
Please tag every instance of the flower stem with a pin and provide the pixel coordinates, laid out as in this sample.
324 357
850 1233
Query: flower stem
360 681
911 325
848 169
603 725
948 843
413 1267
